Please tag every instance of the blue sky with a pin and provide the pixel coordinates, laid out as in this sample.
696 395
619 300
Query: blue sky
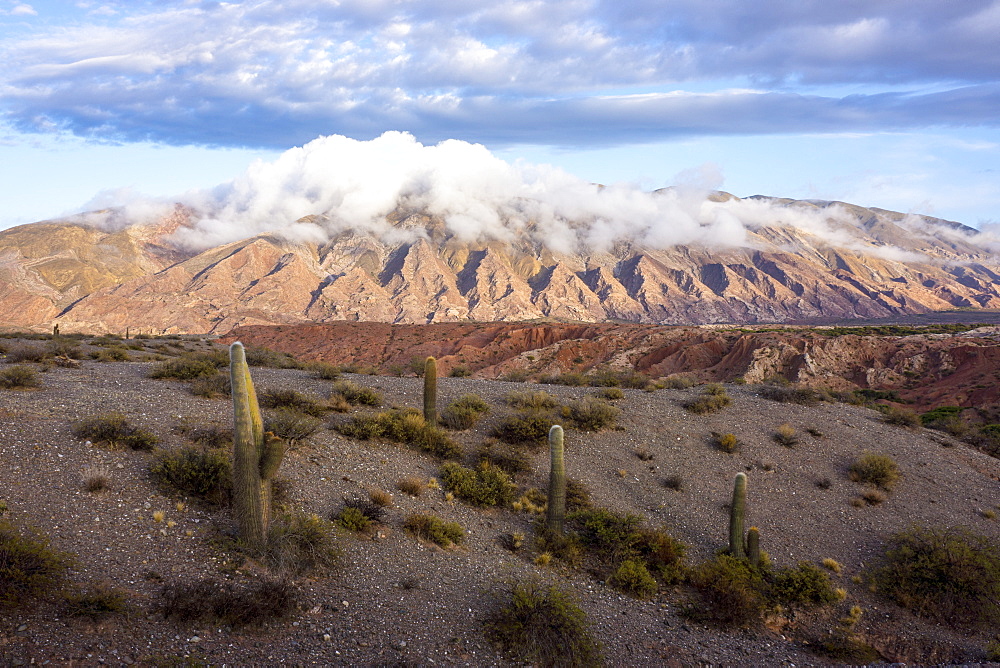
891 103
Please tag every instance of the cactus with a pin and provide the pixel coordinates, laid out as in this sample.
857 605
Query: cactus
753 546
55 331
430 391
557 482
256 455
736 512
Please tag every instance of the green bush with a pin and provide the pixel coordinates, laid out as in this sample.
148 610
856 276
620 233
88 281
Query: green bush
525 426
300 544
609 394
541 625
806 584
486 485
28 565
726 442
19 377
261 356
203 473
593 414
538 400
263 600
572 379
901 417
713 398
359 514
614 536
950 575
878 470
633 578
115 431
323 370
729 593
356 395
212 387
403 426
464 412
292 400
291 426
189 366
434 529
507 457
113 354
791 395
663 554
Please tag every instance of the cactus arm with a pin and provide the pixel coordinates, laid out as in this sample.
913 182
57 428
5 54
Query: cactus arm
556 513
274 451
736 512
753 546
430 390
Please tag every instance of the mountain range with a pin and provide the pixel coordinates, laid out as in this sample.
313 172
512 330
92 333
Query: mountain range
859 263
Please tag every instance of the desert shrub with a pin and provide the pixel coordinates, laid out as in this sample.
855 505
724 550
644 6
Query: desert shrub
592 414
300 544
633 578
203 473
832 565
951 575
901 417
356 395
503 456
96 602
572 379
674 481
464 412
806 584
644 454
189 366
28 565
947 419
987 439
729 593
19 377
678 382
113 354
323 370
96 478
577 495
212 387
609 394
460 371
261 356
726 442
844 645
663 554
261 601
713 398
359 514
206 435
403 426
434 529
790 395
612 535
537 400
630 379
292 400
786 435
115 431
525 426
291 426
541 625
29 352
514 376
872 469
380 497
411 485
869 497
485 485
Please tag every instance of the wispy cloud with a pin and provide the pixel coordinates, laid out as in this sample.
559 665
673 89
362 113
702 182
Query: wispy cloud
280 73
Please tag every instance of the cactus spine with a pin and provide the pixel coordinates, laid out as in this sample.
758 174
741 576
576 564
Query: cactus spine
753 546
430 390
736 512
256 455
556 513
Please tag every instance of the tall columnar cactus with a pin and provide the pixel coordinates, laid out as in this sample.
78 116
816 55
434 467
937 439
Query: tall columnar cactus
256 455
430 390
736 512
556 513
753 546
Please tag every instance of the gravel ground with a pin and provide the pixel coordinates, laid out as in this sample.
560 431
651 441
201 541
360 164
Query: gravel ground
396 601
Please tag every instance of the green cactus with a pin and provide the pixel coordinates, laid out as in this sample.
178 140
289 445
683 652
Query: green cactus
430 390
736 511
556 513
256 455
753 546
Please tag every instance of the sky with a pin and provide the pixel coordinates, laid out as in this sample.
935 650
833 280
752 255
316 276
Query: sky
886 103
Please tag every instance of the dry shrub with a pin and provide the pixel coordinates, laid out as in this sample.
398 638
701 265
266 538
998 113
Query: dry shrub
511 459
380 497
214 386
713 398
486 485
403 426
726 442
786 435
254 604
96 602
901 417
29 567
115 431
878 470
538 400
300 544
411 485
464 412
354 394
593 414
96 478
19 377
529 427
292 400
204 473
291 426
542 625
434 529
729 593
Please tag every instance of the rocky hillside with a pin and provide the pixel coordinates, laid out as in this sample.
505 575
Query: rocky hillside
847 262
928 369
